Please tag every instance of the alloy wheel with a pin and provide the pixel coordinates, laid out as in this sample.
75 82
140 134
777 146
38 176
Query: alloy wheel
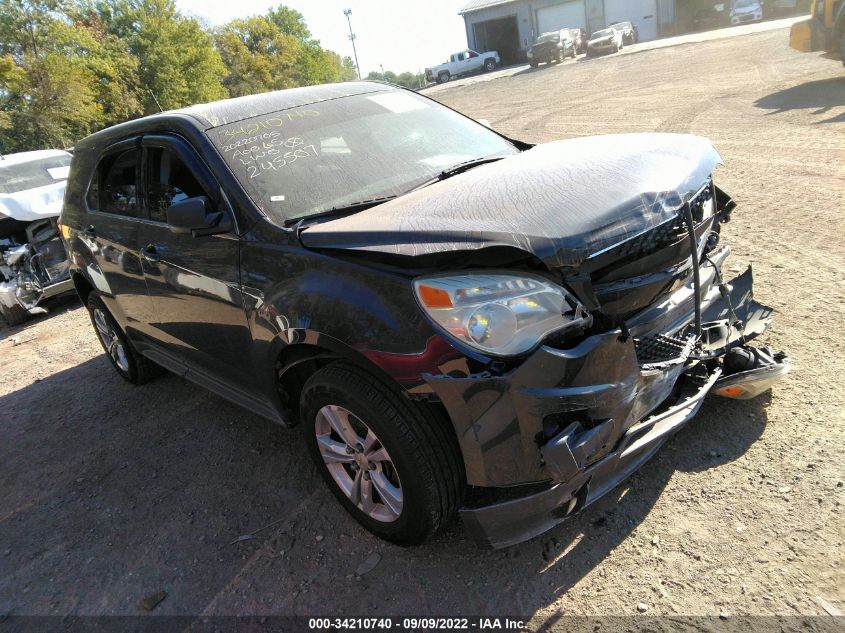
359 464
112 343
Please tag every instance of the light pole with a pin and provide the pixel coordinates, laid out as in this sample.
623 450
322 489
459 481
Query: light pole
347 13
382 72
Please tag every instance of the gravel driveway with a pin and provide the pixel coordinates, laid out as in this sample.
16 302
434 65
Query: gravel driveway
110 493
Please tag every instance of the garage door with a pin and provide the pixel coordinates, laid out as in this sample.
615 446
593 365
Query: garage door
642 13
569 15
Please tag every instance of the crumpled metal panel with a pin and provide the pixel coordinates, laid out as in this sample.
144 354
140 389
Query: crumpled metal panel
562 202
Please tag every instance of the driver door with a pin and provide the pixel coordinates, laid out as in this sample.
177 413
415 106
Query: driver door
194 282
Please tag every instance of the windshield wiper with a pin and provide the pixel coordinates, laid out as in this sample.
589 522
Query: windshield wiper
339 211
460 168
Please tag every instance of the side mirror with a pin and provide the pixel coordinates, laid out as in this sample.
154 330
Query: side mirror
195 216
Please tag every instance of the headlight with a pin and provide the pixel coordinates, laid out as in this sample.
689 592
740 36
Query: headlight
500 314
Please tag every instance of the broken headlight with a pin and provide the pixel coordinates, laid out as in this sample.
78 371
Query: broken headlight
499 314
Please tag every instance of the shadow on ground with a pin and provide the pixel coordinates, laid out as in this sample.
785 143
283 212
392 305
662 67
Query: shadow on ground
52 307
819 96
113 492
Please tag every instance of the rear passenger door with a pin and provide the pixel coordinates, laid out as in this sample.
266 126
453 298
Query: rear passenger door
111 234
194 282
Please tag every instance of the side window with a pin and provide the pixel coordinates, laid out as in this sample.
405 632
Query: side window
118 182
461 57
168 181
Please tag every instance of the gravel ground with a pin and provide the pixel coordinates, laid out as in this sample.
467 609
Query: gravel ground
110 493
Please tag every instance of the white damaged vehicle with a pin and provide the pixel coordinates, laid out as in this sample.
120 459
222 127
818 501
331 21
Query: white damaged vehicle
33 262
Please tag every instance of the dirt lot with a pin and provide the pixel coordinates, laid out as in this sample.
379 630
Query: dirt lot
109 493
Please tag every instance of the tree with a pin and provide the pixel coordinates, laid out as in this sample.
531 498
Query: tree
276 51
290 22
406 79
348 71
258 55
61 77
177 60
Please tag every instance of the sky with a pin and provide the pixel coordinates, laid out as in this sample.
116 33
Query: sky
403 35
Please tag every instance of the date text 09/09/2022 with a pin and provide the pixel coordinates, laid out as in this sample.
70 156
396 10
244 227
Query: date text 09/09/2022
416 624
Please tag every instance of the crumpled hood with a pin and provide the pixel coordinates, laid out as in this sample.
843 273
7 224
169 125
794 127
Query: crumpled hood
562 201
34 204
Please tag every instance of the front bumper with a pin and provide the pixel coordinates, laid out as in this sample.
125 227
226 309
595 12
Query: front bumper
515 521
607 408
746 18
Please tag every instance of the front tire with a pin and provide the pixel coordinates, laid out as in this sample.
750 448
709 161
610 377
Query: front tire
391 463
126 360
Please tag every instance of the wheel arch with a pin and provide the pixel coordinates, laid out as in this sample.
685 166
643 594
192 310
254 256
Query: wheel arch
83 287
299 360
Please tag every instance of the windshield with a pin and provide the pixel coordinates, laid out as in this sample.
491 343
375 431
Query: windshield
35 173
310 159
548 37
604 33
621 25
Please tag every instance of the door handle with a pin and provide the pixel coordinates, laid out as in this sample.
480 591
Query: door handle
150 254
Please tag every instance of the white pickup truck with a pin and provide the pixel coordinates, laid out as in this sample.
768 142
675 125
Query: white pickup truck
463 63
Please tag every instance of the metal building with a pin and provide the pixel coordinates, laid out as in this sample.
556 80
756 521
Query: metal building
510 26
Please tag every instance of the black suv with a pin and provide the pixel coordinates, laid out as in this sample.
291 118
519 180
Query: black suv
459 321
552 48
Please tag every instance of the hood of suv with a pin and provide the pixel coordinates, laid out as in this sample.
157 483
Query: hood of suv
561 202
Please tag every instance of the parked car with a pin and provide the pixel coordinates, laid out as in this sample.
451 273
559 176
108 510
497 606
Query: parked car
551 48
714 16
459 321
463 63
746 11
604 41
630 34
33 261
580 37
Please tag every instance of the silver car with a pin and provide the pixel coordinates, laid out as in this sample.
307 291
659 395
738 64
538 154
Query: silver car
604 41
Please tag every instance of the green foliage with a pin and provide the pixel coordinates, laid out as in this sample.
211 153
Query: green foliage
276 51
177 61
71 67
406 79
62 76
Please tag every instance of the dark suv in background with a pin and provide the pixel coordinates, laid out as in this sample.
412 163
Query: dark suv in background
459 321
552 47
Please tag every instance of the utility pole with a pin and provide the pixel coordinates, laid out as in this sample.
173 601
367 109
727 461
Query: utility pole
382 72
347 13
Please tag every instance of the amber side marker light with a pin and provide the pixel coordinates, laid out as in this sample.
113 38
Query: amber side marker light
64 230
730 392
434 297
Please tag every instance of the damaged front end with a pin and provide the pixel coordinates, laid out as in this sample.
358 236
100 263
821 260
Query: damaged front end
34 265
548 437
597 345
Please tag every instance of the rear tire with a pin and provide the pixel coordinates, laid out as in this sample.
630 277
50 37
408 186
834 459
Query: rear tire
443 77
490 65
418 465
126 360
16 315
